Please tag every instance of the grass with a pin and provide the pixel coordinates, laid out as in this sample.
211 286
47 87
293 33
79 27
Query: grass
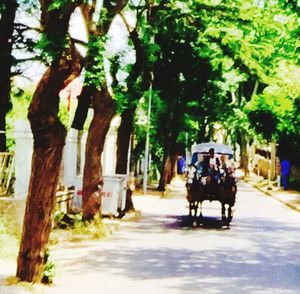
70 227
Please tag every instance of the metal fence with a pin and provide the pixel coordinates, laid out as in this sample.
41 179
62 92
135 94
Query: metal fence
6 172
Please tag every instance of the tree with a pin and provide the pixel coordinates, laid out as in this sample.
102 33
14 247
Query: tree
180 77
8 10
137 83
96 92
246 50
49 137
14 38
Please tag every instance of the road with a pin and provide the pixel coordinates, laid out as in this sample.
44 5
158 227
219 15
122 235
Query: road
160 253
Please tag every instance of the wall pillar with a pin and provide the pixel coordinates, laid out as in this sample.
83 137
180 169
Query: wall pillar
70 159
23 157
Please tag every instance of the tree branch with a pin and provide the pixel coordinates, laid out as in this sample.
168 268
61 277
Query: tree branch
22 28
77 41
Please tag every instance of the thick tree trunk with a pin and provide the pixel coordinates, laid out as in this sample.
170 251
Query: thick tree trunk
104 110
40 203
6 40
49 137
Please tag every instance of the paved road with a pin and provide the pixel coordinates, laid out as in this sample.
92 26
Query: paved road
160 253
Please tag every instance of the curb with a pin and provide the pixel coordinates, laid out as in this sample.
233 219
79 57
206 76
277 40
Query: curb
274 196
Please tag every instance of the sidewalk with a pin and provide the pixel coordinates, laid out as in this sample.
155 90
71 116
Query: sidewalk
290 198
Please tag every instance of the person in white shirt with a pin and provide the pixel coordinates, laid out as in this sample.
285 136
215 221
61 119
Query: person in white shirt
211 163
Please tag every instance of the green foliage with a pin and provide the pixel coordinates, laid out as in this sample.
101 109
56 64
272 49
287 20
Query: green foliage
264 122
51 46
234 52
124 98
95 74
2 7
30 6
49 270
64 114
60 4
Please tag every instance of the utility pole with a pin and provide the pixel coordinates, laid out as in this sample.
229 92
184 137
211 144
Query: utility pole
146 159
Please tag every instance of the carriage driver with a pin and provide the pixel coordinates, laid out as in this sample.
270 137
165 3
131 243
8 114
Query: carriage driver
211 164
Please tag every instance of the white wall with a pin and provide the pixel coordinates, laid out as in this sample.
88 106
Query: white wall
24 149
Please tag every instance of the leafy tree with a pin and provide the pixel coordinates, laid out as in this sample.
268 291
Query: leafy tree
129 94
180 77
96 92
247 49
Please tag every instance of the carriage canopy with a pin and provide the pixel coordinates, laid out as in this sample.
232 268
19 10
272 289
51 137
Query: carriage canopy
220 149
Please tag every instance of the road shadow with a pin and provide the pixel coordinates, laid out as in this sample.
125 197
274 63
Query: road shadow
186 221
233 262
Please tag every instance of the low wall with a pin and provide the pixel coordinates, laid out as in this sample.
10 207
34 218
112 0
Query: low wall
261 165
12 214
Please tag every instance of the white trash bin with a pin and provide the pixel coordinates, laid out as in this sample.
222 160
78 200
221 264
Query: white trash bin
113 194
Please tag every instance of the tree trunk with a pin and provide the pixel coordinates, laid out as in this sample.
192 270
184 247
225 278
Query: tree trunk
173 157
166 172
123 140
123 143
104 110
40 202
2 130
49 137
244 155
6 40
84 101
169 161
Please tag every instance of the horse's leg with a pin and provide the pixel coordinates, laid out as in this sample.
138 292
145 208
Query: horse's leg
195 208
201 215
229 214
223 212
190 209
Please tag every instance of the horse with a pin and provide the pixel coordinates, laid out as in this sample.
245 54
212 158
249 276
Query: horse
211 187
194 189
227 196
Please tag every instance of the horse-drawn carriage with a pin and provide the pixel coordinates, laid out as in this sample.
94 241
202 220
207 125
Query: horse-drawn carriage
213 182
